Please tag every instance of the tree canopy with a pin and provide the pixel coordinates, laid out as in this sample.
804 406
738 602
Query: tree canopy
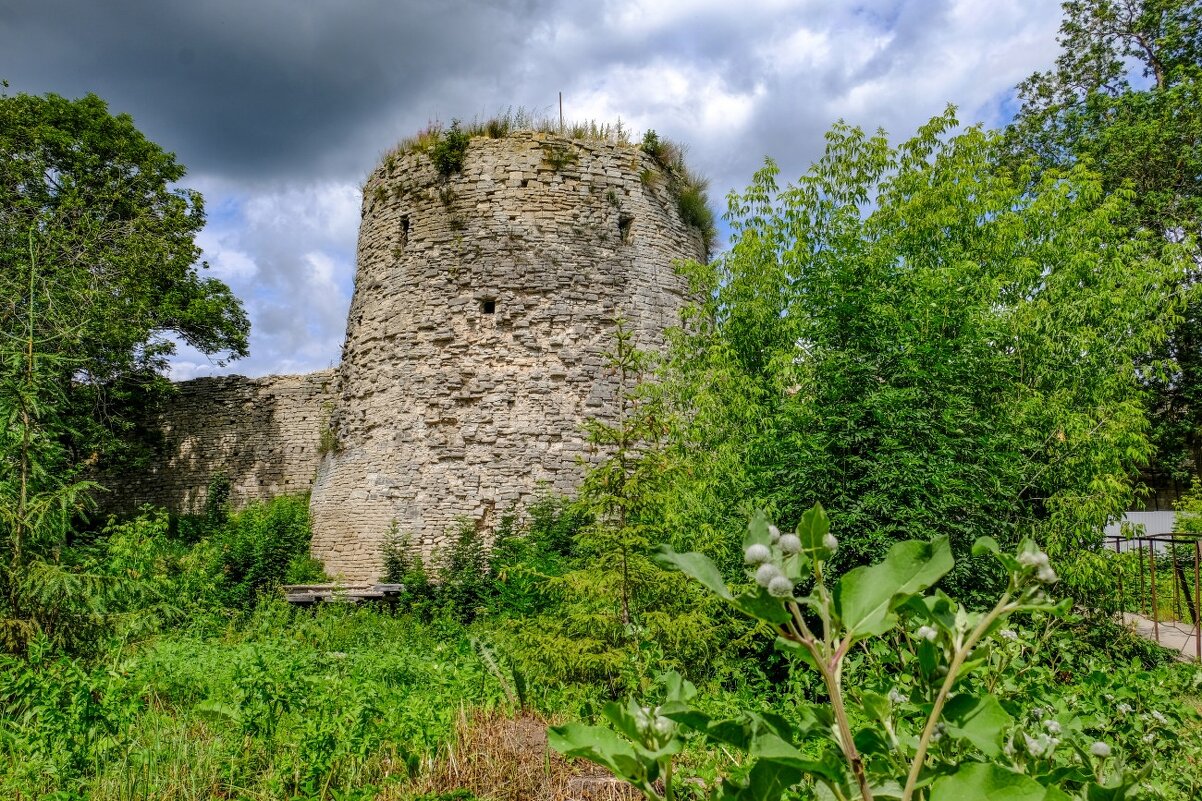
98 267
926 342
1125 99
97 253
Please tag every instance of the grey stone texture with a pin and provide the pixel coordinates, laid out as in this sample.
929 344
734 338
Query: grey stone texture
475 349
263 434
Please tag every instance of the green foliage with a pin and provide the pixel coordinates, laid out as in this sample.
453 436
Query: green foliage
217 500
642 748
450 149
525 554
1125 98
289 704
97 263
510 121
263 546
94 204
559 156
40 492
688 187
850 344
937 722
607 612
455 584
59 716
464 581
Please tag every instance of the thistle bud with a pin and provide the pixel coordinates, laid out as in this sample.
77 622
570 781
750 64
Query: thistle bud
830 542
790 544
765 573
757 554
780 587
1046 575
774 533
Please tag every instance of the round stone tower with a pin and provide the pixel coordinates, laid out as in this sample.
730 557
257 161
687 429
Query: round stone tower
484 304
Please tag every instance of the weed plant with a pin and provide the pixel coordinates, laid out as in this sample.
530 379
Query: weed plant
287 705
447 147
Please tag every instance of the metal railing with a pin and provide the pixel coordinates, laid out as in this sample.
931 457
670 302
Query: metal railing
1178 555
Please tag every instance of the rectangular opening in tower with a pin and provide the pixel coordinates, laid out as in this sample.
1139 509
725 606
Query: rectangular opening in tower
404 230
488 306
625 223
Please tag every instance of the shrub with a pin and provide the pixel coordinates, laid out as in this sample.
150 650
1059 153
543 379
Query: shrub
402 565
263 546
464 579
525 554
936 729
450 150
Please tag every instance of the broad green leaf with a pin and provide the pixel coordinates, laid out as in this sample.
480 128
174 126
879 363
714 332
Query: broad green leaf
767 781
624 717
757 603
796 566
676 687
757 530
984 545
218 710
696 566
977 781
871 740
812 530
796 649
876 706
600 745
767 746
978 719
866 597
735 732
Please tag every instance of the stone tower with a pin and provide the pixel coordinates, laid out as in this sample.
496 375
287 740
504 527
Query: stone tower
484 304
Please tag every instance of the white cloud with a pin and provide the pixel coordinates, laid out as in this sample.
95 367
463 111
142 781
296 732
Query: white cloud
734 82
288 252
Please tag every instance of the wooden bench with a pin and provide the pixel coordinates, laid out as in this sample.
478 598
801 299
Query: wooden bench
310 594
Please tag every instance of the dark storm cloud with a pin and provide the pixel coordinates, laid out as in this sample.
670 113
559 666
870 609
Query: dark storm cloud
256 89
279 108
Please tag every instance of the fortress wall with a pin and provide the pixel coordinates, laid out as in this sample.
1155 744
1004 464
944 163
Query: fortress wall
263 433
484 304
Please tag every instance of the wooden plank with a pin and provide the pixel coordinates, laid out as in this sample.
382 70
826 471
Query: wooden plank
310 594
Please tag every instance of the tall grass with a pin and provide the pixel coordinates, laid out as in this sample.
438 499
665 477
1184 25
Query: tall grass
512 120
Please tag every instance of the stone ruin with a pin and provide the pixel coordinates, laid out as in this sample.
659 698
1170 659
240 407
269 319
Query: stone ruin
484 304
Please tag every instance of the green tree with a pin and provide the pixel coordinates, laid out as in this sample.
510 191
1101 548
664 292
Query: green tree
930 344
95 204
1125 99
97 268
613 611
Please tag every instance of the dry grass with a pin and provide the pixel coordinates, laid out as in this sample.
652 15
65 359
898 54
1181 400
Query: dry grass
503 758
519 119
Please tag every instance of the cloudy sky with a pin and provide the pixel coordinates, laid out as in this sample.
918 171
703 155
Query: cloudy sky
279 108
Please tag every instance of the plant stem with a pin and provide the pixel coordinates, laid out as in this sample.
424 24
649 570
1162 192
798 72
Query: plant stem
26 422
920 756
830 676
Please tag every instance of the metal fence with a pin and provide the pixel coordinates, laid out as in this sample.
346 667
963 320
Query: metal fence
1166 563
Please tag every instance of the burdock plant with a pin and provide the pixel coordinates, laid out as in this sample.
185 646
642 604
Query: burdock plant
818 622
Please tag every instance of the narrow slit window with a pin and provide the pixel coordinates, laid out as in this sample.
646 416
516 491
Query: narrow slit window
488 306
404 230
625 223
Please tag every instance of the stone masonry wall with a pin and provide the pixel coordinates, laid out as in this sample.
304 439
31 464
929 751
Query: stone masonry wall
484 304
262 433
